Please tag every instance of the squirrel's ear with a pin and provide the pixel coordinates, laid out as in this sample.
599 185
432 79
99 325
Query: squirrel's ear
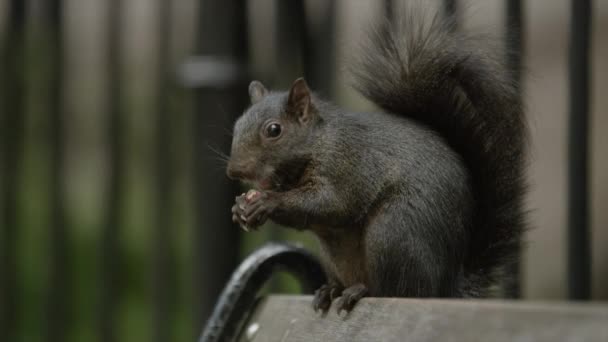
299 100
257 91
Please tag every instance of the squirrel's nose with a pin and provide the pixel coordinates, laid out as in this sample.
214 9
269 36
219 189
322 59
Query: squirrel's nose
231 172
234 172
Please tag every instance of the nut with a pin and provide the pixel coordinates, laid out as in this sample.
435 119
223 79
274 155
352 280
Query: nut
251 194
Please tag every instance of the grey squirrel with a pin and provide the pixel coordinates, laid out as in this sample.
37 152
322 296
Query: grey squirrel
421 199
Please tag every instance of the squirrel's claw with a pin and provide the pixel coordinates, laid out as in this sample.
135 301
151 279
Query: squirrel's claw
236 219
238 213
324 295
321 302
350 297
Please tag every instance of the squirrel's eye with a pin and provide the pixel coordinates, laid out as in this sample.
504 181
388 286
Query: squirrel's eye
273 130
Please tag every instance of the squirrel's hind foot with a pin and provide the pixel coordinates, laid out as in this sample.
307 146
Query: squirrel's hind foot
351 296
325 295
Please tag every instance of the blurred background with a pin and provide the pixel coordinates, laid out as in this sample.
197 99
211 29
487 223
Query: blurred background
114 220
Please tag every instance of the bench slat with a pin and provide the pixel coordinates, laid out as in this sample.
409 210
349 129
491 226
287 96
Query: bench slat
291 318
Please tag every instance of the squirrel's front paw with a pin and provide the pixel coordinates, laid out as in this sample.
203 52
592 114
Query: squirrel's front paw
253 209
259 206
238 212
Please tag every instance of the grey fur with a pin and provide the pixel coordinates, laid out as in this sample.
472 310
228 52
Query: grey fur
423 199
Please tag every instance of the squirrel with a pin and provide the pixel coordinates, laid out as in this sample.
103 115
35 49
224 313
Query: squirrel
423 198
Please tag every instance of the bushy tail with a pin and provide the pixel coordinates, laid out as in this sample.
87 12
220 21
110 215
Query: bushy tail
428 71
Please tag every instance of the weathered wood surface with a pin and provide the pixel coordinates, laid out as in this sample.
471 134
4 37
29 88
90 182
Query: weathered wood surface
291 318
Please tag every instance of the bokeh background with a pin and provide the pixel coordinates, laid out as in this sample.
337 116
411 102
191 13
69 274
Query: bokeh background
114 118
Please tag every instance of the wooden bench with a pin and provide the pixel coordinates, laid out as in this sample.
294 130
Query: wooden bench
291 318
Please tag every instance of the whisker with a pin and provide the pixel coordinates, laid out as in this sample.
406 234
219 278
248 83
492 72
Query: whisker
219 160
219 153
225 130
225 115
216 161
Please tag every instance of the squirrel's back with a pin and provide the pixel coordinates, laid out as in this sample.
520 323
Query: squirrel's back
425 69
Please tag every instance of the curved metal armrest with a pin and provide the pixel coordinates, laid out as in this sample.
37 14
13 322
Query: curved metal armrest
239 295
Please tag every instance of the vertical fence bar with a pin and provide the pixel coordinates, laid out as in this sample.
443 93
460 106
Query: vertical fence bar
111 253
303 50
579 255
514 48
162 244
291 41
319 50
12 125
222 96
58 302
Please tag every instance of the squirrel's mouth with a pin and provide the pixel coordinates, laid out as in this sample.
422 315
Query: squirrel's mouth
264 184
262 179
